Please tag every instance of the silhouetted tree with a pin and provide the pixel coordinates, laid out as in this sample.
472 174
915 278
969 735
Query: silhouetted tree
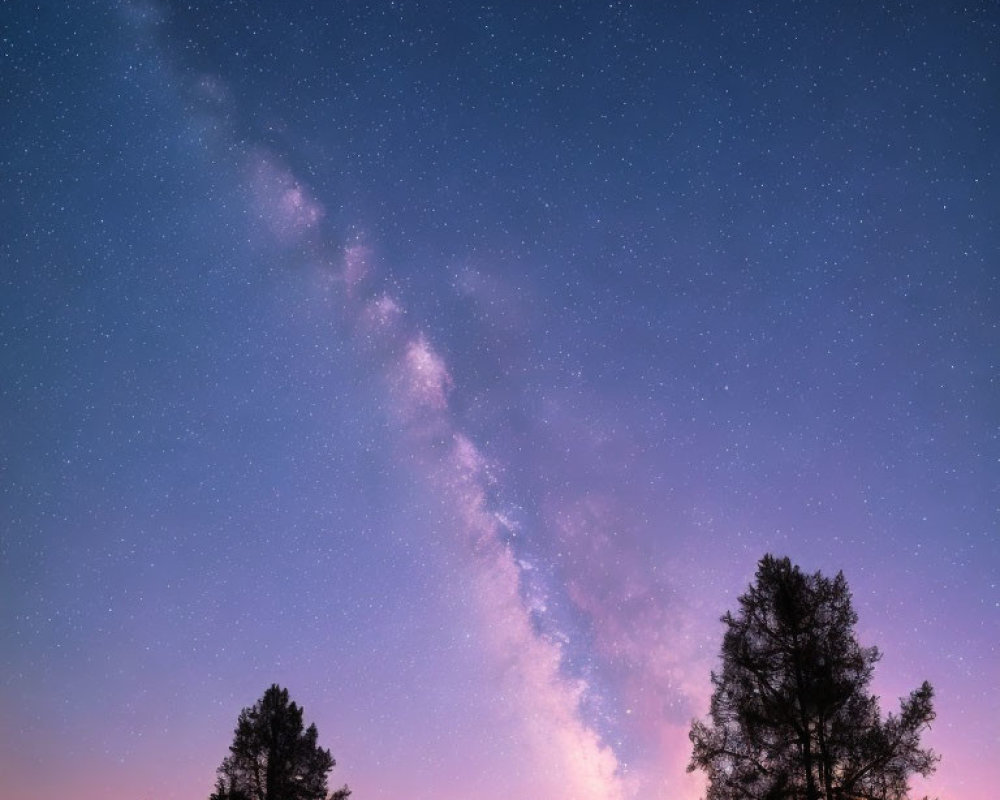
791 716
272 758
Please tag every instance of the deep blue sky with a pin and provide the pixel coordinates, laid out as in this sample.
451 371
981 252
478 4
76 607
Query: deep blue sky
453 364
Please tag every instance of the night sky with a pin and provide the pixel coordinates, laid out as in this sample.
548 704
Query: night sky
453 364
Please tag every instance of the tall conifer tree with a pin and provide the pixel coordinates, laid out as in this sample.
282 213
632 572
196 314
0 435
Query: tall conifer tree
791 716
272 757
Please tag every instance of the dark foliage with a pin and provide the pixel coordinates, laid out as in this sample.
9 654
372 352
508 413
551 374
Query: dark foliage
273 758
791 716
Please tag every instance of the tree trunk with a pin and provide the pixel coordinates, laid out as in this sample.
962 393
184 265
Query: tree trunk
824 763
807 763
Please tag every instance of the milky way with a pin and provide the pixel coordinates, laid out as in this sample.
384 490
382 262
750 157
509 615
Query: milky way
452 365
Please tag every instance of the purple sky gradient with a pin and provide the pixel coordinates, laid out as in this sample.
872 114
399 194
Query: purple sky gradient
453 366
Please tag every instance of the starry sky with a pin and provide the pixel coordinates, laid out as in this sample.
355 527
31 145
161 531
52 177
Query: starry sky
452 364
